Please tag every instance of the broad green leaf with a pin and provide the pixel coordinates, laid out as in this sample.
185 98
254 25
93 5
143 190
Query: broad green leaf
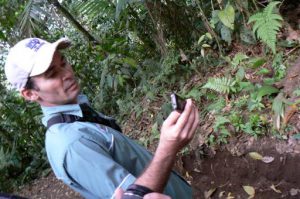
240 74
265 90
201 39
247 35
277 105
226 16
247 86
263 71
226 34
257 62
214 18
278 109
208 35
206 46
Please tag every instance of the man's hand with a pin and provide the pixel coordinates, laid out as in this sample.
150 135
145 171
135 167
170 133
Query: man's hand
119 193
179 128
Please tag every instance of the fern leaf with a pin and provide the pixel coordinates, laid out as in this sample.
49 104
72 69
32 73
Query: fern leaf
92 8
269 9
276 17
255 17
221 85
266 25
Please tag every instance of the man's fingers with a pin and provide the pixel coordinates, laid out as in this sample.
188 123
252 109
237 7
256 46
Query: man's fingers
182 120
189 124
172 118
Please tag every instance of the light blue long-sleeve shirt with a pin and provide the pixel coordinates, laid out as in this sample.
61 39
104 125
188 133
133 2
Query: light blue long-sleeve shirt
94 159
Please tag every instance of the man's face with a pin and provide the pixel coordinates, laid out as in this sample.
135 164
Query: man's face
58 85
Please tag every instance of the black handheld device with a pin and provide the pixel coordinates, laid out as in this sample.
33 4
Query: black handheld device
177 102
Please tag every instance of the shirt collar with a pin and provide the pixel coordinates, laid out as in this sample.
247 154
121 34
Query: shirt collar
72 109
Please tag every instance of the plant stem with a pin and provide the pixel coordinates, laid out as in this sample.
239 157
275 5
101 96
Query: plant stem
256 8
209 28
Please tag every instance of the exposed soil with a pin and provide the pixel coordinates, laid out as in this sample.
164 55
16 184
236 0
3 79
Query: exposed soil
218 174
48 188
227 173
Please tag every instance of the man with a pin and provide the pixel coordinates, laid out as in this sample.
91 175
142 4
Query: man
93 158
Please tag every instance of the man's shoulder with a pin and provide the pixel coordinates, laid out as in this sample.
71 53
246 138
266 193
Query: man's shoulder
64 134
59 136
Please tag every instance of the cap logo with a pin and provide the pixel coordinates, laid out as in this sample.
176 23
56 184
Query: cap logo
35 44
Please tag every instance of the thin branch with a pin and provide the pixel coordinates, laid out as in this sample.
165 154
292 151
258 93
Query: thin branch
73 21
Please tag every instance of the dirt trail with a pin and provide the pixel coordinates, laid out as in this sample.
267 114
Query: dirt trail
223 172
48 188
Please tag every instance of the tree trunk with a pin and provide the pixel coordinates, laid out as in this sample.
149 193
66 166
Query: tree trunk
73 21
159 37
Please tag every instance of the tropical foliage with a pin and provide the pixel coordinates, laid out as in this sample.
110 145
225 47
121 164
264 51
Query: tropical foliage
267 24
129 56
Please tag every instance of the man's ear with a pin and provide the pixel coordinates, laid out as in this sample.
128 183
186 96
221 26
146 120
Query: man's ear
29 94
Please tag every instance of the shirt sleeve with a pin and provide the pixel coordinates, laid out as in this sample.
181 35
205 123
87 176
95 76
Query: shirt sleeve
91 166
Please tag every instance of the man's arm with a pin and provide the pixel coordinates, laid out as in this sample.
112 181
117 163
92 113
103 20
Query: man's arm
177 130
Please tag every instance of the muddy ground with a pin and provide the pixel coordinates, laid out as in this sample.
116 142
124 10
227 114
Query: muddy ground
219 173
223 175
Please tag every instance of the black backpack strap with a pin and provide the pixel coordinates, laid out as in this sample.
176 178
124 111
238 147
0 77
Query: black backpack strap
89 115
62 118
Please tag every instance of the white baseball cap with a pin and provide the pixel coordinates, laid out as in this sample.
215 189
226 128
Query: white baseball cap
30 57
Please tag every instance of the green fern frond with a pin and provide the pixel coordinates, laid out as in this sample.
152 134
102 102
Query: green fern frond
266 25
269 9
221 85
92 8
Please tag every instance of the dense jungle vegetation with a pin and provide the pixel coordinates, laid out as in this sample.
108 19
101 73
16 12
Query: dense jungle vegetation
131 54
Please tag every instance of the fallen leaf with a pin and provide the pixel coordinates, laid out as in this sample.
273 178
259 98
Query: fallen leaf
274 189
187 174
209 193
197 170
183 55
221 194
229 196
249 190
255 156
267 159
294 192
